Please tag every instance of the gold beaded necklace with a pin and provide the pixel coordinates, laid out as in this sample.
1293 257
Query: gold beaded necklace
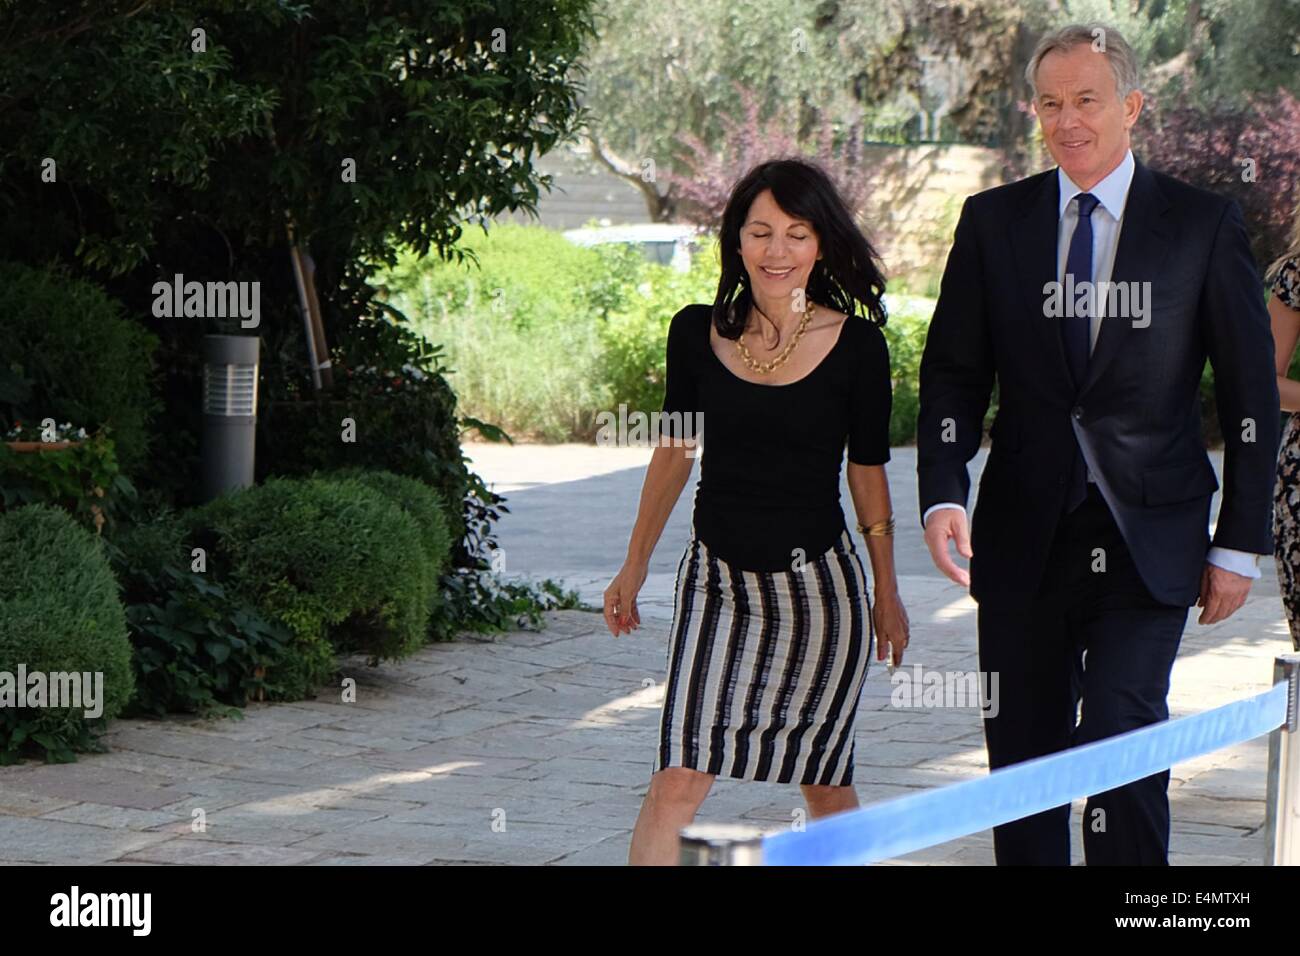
764 368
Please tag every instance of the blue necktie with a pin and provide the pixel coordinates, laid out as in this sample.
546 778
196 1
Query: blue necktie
1075 331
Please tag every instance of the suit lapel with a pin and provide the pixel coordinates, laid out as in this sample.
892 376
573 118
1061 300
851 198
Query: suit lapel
1144 239
1033 239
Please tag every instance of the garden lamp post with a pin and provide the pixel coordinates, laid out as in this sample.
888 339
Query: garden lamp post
229 413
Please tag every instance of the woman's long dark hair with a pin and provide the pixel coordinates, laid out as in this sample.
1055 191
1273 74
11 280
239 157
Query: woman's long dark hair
846 276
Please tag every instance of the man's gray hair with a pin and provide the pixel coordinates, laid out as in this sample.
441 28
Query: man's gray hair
1107 40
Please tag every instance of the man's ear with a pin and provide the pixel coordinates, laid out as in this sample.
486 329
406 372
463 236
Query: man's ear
1132 108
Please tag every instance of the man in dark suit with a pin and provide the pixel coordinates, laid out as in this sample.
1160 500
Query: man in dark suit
1094 293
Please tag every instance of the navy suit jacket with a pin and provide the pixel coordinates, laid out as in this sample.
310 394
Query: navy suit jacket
1136 415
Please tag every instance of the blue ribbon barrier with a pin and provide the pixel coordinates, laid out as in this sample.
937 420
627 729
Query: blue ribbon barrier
899 826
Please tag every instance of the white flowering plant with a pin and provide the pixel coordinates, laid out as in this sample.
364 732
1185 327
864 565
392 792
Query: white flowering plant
45 430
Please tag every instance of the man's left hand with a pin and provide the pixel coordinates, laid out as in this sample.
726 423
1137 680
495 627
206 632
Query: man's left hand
1222 593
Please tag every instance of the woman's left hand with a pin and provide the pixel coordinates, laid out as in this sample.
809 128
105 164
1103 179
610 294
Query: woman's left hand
891 623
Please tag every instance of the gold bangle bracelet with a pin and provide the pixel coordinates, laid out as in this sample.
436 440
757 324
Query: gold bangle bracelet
878 528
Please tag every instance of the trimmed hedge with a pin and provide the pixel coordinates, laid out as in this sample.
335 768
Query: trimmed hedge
422 503
59 612
335 561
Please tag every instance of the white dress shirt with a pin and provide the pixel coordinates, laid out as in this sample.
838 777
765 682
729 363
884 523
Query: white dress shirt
1107 218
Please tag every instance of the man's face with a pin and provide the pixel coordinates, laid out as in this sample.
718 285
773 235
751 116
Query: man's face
1085 123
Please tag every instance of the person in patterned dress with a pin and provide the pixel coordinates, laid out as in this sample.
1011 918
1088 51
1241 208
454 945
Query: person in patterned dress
1284 310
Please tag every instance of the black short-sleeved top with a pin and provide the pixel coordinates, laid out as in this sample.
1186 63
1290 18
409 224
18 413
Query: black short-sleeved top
770 464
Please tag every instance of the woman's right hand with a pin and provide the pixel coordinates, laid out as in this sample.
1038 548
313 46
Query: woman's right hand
621 614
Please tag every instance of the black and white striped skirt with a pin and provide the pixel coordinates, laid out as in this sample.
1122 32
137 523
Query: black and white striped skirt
765 668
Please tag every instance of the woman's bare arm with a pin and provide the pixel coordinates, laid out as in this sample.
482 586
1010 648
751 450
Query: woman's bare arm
870 491
1286 331
665 477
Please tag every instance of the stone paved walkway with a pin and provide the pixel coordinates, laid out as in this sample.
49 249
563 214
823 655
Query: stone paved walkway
535 748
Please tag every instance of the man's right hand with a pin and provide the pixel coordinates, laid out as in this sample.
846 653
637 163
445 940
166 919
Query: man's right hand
944 525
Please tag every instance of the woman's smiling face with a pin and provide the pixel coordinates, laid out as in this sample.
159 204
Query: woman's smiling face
778 250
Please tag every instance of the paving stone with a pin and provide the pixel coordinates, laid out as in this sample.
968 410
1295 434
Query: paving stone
210 749
101 815
876 719
599 771
507 740
265 834
611 851
920 731
84 782
464 721
445 757
367 859
19 804
498 666
1191 808
193 849
293 813
1248 848
901 753
1231 782
364 741
426 841
484 811
549 656
38 840
216 792
482 684
175 768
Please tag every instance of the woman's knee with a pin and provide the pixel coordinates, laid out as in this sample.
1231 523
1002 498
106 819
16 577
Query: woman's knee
680 786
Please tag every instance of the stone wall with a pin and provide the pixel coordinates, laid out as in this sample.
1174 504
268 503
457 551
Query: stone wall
917 194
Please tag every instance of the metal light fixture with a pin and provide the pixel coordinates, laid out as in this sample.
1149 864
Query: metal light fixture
229 413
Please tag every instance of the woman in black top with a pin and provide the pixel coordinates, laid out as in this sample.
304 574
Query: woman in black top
772 624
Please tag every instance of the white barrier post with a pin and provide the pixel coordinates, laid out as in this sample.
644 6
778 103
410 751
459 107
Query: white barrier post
721 844
1282 811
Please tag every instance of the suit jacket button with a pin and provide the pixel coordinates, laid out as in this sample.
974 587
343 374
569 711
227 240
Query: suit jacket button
1077 412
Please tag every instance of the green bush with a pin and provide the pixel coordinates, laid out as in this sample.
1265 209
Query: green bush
59 612
909 321
198 649
635 338
71 355
404 420
542 334
420 502
528 276
336 562
429 513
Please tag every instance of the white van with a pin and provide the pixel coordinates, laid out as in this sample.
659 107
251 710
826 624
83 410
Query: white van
669 244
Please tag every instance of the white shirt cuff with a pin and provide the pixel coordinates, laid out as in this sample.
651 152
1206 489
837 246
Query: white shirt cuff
1239 562
943 504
